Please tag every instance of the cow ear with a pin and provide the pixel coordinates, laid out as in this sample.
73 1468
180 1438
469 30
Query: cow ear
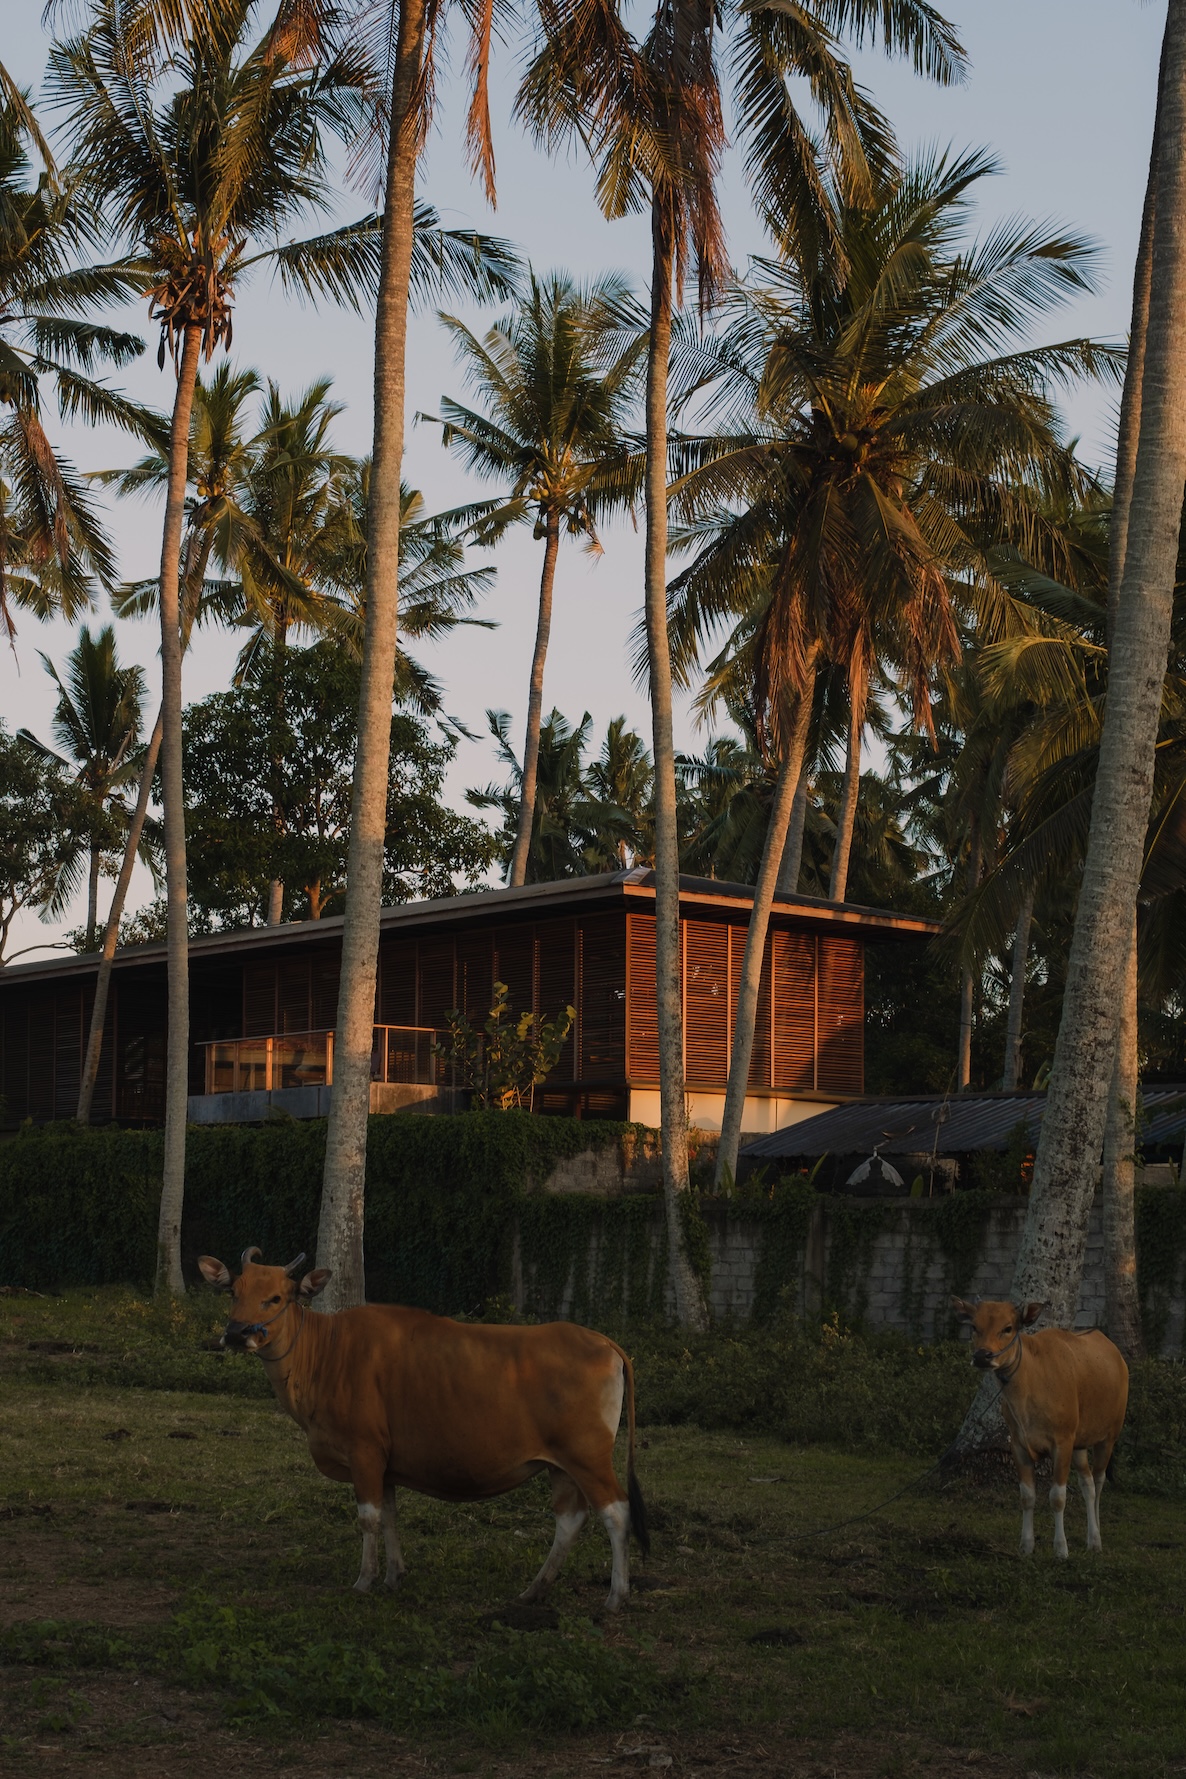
1030 1313
961 1308
315 1281
214 1272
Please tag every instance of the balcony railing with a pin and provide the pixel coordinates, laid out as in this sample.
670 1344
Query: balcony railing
399 1053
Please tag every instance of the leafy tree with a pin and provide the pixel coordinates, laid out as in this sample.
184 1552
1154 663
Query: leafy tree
555 378
503 1063
97 725
43 821
237 850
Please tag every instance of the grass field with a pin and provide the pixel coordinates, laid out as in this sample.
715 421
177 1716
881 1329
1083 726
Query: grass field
174 1600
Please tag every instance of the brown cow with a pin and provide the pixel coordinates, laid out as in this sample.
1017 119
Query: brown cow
396 1398
1062 1392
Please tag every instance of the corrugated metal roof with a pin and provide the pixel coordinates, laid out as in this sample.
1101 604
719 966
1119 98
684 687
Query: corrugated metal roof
944 1125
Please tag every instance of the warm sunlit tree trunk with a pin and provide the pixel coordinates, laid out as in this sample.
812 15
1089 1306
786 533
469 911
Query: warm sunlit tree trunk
1122 1308
689 1299
792 853
1021 947
1050 1263
967 974
94 1044
169 1277
858 691
746 1012
535 704
340 1228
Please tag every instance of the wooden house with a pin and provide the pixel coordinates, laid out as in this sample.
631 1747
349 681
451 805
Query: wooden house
263 1003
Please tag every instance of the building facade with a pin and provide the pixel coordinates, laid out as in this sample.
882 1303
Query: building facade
263 1003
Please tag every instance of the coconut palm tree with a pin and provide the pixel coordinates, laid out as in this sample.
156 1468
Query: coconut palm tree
51 539
555 379
96 724
839 485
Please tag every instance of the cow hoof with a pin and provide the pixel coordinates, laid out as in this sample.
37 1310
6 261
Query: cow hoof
1061 1556
391 1583
616 1602
362 1585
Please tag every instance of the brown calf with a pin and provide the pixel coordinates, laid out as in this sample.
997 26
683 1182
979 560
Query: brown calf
1062 1393
396 1398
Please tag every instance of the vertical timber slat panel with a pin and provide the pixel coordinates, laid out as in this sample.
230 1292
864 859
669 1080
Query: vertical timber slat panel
397 982
324 970
475 976
759 1062
67 1051
601 998
841 1018
556 987
794 967
436 992
706 1002
514 964
259 1001
642 1010
293 995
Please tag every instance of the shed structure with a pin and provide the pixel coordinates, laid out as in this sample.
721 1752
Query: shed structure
264 1000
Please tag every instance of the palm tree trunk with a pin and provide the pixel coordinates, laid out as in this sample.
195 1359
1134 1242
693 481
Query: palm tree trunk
967 975
745 1014
1050 1262
858 693
276 759
1122 1308
792 853
169 1278
535 704
1021 947
94 1043
92 896
689 1298
340 1228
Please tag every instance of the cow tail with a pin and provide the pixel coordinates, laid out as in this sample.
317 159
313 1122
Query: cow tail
638 1507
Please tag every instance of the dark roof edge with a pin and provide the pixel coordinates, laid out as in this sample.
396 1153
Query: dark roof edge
605 887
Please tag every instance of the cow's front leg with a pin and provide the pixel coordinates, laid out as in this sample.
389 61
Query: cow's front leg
1025 1477
1058 1499
1087 1490
367 1476
395 1561
571 1510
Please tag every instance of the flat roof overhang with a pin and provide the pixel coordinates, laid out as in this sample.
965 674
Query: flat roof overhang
702 896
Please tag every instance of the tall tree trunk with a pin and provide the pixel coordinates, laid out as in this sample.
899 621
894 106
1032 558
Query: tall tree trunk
276 757
92 896
791 863
1122 1308
745 1014
689 1298
1050 1262
340 1228
535 704
94 1043
169 1277
967 975
1011 1073
858 694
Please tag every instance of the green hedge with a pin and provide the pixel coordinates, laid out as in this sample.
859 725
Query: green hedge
79 1207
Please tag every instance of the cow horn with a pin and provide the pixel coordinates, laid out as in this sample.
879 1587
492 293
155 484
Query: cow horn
293 1264
249 1254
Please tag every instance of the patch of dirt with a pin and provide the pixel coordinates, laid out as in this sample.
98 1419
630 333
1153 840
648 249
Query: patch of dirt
35 1584
126 1729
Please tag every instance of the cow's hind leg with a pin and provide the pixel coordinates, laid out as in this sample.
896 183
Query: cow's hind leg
366 1473
1058 1497
616 1519
1025 1477
1087 1490
571 1510
395 1562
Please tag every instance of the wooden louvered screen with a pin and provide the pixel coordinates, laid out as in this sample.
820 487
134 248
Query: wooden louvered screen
397 982
555 982
759 1062
67 1051
840 1066
292 995
475 976
324 971
514 964
642 1017
259 1000
793 1011
706 1002
14 1082
437 992
42 1041
601 998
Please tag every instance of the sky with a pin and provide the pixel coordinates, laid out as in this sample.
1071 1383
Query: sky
1061 90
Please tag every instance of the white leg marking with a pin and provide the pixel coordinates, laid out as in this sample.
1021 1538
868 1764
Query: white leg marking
1099 1489
1027 1519
368 1519
1058 1501
616 1519
568 1526
1087 1490
395 1562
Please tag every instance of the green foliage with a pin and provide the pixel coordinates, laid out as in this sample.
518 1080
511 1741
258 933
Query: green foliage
43 821
402 1674
1161 1251
1006 1170
503 1064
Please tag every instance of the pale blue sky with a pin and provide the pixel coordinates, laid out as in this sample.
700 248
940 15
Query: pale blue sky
1062 90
